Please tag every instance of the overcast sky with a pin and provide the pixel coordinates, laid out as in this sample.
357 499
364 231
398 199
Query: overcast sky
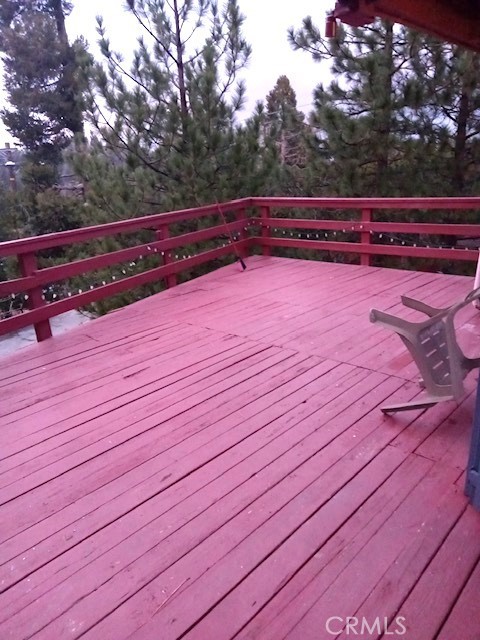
266 27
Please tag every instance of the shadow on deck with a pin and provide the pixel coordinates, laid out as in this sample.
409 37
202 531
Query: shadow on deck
212 463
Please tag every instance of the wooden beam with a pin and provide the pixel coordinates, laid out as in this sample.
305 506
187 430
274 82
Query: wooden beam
457 22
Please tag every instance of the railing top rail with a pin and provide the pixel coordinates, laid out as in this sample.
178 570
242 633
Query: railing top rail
369 203
84 234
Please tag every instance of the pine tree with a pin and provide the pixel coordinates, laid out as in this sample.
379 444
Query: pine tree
40 77
285 123
43 86
168 122
285 133
401 116
360 114
445 114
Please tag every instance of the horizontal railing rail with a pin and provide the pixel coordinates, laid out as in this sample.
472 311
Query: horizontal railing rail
84 234
367 203
33 279
271 219
275 227
79 267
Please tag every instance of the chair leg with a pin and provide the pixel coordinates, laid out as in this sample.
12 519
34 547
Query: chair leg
424 403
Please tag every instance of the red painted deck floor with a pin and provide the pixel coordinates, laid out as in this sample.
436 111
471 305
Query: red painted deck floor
212 463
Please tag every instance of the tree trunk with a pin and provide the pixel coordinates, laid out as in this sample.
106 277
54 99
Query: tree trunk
384 113
69 81
460 154
180 66
57 9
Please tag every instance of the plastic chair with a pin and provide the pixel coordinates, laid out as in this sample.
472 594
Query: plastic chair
434 348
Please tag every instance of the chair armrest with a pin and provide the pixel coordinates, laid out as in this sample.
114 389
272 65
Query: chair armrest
473 296
421 306
401 326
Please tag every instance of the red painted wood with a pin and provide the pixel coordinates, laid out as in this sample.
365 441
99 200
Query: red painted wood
372 203
452 436
258 540
312 542
236 475
243 221
345 345
83 347
300 544
187 478
88 445
26 245
164 244
128 334
265 228
17 285
365 237
139 372
163 234
427 607
56 495
344 555
257 512
465 615
34 282
125 324
272 469
28 266
421 228
324 599
223 482
62 238
138 378
81 299
161 413
294 598
411 564
373 249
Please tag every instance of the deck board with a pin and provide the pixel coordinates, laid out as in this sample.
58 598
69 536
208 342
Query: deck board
211 462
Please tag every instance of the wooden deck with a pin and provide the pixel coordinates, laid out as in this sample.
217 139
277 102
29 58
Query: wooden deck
211 463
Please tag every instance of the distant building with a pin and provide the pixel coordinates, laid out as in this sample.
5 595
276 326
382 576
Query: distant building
11 159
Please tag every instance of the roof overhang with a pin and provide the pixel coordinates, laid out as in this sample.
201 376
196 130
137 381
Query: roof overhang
456 21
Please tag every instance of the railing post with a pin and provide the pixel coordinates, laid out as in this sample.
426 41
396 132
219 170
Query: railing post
28 267
162 234
265 213
366 238
241 214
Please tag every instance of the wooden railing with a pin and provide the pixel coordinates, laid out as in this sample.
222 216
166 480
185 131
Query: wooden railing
365 226
33 279
271 226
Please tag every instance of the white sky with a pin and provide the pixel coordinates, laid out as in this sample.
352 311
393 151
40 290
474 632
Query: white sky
265 29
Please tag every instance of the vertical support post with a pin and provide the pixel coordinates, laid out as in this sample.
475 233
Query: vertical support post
241 214
264 214
162 234
476 282
28 267
365 238
472 484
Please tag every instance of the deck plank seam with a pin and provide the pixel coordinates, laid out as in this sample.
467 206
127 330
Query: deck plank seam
134 435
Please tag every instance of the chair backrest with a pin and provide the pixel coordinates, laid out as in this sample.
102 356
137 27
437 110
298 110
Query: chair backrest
434 347
439 359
